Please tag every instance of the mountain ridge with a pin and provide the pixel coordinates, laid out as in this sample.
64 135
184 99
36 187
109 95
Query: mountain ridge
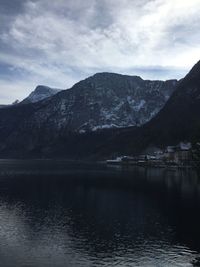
179 120
41 92
49 125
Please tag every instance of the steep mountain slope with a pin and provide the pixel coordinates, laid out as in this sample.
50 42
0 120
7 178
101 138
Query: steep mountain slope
179 120
104 100
41 92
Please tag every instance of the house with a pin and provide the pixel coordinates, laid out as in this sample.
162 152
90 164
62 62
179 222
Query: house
180 154
183 153
169 153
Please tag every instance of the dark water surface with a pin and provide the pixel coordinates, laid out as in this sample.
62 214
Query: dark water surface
56 214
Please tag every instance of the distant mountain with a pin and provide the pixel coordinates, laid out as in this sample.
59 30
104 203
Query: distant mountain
108 100
41 92
178 121
16 102
3 106
103 101
8 105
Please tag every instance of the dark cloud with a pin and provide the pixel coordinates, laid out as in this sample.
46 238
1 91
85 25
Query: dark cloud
11 7
8 10
59 42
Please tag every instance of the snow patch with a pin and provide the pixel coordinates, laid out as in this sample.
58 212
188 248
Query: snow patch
105 126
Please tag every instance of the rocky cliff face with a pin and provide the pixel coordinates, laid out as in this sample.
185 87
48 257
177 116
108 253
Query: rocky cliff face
41 92
180 117
178 121
105 100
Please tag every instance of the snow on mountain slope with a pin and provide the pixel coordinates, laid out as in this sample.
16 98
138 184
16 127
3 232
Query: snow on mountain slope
105 100
41 92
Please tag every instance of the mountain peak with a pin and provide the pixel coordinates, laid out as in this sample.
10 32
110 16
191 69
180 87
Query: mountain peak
41 92
40 88
195 71
103 101
113 75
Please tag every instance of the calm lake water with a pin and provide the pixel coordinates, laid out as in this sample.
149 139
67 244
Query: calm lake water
54 213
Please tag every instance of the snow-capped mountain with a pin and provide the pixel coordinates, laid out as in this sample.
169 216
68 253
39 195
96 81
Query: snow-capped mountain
178 120
41 92
105 100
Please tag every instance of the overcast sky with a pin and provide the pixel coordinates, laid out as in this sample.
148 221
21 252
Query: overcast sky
57 43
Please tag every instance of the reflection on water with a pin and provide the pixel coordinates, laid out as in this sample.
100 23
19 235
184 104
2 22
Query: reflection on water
61 214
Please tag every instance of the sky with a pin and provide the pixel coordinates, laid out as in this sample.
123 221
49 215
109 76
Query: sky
58 43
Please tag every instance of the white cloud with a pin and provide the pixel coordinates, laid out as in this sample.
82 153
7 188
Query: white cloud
63 41
13 90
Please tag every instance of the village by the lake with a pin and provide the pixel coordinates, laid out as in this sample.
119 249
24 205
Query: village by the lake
183 155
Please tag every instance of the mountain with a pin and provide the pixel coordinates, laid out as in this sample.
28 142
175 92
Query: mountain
41 92
8 105
3 106
103 101
108 100
180 118
178 121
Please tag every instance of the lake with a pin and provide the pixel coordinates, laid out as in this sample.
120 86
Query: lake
57 213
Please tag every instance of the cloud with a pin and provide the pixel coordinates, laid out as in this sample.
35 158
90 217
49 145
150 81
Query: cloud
11 90
60 42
